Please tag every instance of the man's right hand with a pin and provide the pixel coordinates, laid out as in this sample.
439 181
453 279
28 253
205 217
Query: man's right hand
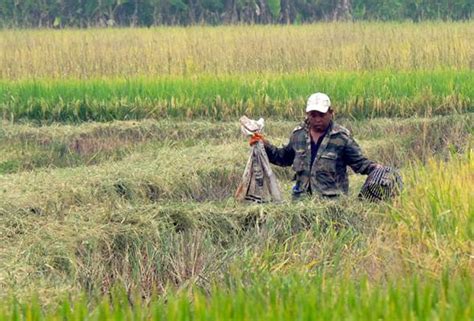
255 138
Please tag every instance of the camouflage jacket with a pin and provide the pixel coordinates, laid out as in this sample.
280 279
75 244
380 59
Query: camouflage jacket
328 175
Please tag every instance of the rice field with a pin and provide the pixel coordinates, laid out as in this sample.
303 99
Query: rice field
356 95
120 152
235 50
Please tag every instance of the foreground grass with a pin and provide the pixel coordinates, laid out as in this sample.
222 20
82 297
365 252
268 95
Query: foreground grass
357 95
276 298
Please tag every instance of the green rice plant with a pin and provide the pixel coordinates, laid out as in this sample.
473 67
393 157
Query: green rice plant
436 212
292 297
354 94
448 199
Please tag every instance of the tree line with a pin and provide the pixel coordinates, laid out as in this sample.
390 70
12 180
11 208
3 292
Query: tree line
94 13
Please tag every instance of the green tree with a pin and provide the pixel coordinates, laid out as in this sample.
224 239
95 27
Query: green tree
275 8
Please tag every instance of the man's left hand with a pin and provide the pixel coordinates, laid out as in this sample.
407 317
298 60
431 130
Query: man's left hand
376 166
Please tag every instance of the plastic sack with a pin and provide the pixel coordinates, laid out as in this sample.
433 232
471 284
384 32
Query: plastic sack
259 183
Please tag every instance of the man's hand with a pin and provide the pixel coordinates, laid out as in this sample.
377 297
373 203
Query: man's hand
375 166
256 138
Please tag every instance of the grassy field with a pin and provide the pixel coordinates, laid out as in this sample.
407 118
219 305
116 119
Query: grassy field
120 156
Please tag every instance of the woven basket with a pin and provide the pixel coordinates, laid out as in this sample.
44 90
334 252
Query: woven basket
382 184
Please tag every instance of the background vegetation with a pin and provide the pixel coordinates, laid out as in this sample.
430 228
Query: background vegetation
370 70
88 13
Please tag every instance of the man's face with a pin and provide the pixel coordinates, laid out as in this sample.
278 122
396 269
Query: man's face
319 121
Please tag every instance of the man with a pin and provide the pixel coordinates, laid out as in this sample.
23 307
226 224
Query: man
319 151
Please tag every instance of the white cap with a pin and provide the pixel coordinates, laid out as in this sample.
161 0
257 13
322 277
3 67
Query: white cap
319 102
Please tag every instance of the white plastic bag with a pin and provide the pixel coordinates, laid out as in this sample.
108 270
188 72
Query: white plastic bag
249 126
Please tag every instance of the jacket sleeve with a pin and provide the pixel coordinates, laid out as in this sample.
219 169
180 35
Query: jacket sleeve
355 159
280 156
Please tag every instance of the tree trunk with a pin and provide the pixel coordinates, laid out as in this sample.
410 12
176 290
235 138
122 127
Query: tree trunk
264 15
285 12
342 10
192 12
230 12
134 20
